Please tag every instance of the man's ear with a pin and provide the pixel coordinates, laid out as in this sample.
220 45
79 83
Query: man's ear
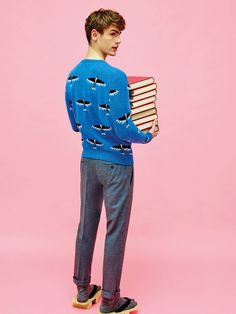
94 34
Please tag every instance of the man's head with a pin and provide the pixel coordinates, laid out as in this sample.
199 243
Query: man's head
103 29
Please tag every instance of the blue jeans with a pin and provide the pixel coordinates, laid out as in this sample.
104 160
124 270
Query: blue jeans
113 183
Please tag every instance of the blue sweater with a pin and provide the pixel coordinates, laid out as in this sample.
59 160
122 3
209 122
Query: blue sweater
97 101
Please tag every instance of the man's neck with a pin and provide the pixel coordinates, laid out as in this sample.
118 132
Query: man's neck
95 54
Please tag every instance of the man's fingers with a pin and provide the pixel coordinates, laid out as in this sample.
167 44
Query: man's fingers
154 124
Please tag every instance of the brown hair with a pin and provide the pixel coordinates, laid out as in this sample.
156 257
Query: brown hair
101 20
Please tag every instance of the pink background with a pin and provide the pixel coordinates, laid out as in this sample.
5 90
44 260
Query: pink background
181 253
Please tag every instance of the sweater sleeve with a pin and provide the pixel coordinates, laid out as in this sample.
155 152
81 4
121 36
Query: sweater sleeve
69 105
120 112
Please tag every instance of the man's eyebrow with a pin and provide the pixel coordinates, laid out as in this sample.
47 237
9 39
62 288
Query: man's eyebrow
114 30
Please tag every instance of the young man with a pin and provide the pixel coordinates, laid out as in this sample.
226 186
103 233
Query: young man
97 100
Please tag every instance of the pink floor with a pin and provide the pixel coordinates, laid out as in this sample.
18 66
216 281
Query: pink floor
171 267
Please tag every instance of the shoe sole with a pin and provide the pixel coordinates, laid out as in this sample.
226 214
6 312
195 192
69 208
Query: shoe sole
88 304
122 312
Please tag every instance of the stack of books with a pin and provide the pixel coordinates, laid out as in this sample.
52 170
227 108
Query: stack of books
142 94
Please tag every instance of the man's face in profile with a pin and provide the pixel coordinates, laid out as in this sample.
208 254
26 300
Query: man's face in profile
108 42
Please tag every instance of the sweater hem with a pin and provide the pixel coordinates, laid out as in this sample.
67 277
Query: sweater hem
108 156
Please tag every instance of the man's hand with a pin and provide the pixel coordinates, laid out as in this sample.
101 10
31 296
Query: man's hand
154 129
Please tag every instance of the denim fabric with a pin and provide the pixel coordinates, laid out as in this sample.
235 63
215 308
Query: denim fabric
113 184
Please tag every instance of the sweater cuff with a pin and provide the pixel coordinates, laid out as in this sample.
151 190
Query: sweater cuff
149 137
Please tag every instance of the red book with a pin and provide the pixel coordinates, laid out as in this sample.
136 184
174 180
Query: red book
142 91
149 118
143 108
145 127
142 96
142 102
143 114
140 84
139 81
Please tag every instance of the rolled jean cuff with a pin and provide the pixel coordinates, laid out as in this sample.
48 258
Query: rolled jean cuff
110 295
81 283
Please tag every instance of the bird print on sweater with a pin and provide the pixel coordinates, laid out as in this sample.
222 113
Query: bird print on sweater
94 142
122 148
98 106
95 82
72 78
105 107
102 128
124 119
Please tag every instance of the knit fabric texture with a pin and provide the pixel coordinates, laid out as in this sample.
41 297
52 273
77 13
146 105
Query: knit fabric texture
98 106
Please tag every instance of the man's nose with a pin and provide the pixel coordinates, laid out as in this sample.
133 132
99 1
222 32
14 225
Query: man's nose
118 40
